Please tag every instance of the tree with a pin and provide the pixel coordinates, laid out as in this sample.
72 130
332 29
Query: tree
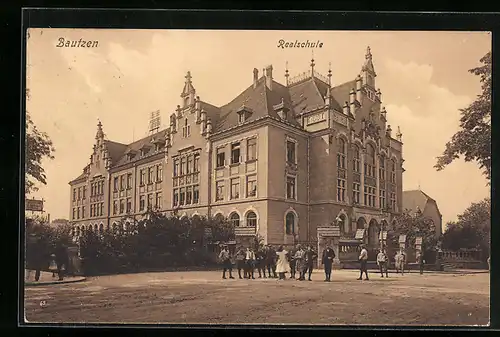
473 140
413 226
38 147
472 229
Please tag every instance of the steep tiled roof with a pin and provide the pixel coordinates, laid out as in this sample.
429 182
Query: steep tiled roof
414 198
137 145
341 92
115 150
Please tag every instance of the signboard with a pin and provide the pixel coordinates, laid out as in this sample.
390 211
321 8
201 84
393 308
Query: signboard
329 231
34 205
402 239
418 241
155 121
382 235
360 234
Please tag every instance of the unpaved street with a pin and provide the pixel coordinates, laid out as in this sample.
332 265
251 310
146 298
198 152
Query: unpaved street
203 297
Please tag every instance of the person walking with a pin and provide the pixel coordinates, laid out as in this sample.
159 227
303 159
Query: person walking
402 257
271 261
300 262
363 260
225 258
250 263
292 262
397 262
382 263
327 260
282 263
309 261
260 260
421 262
240 261
62 260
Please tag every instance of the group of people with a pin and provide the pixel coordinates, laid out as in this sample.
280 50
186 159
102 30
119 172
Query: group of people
277 263
57 259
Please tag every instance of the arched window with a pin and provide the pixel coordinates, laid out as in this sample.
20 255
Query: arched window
393 170
101 228
370 161
290 223
234 218
251 219
219 218
341 152
356 159
381 168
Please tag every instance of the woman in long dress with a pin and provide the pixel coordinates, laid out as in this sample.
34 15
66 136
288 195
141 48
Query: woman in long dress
282 264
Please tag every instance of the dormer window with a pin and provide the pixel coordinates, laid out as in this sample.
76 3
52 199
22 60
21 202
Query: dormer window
145 150
186 129
186 101
244 113
130 154
158 144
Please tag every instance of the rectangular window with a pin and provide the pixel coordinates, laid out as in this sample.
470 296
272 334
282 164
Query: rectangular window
176 167
129 205
393 177
221 157
158 202
83 212
235 188
291 156
197 163
369 196
142 180
115 207
251 186
176 197
102 208
142 203
150 175
122 206
78 212
182 196
74 214
74 194
393 201
84 192
159 173
183 166
150 200
241 117
189 167
79 193
355 192
235 153
129 181
196 194
251 149
122 182
189 195
290 187
341 190
382 199
219 190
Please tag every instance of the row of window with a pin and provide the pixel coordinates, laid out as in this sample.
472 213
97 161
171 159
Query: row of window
97 188
369 194
97 209
187 164
369 164
235 157
79 193
251 191
122 206
78 213
251 221
146 201
122 182
150 175
189 195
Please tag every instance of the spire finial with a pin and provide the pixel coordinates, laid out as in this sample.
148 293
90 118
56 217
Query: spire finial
99 133
188 77
312 64
286 72
330 74
368 53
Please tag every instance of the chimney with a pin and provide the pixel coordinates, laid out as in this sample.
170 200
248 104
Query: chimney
269 77
255 77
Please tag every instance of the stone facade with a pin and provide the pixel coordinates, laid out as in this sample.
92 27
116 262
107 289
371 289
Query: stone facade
283 159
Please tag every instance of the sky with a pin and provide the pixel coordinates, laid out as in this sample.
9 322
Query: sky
423 77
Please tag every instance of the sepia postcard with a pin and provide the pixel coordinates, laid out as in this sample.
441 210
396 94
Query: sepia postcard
257 177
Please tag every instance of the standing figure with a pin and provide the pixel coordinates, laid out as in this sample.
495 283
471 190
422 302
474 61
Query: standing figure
327 260
363 260
53 264
382 263
62 260
292 262
310 255
260 260
271 261
250 263
421 262
282 264
240 261
225 258
300 262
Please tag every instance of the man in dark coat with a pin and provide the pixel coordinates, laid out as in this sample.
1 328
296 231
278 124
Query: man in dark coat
327 260
292 261
225 258
61 259
271 261
260 261
310 255
421 262
240 261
